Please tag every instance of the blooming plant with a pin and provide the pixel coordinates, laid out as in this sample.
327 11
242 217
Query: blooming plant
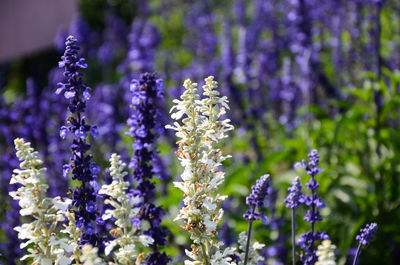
199 133
125 211
43 238
65 231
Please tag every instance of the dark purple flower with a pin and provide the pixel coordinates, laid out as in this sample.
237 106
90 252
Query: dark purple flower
142 122
83 170
91 207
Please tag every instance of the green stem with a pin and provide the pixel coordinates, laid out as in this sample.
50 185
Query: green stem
203 248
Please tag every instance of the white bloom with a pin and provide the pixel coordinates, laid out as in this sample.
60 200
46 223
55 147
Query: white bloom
124 210
42 233
200 130
326 253
90 256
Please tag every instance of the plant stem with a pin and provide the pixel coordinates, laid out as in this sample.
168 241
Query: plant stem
248 242
206 261
357 254
293 238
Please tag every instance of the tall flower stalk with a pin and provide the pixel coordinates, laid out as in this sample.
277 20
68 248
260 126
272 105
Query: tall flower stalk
256 200
124 211
293 200
306 241
43 242
83 170
366 235
200 131
143 123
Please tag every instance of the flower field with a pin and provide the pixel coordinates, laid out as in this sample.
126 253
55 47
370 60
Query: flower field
227 132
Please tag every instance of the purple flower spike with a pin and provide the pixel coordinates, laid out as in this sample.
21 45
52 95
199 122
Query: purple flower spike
143 122
257 198
254 200
364 238
306 241
367 233
295 197
83 170
259 192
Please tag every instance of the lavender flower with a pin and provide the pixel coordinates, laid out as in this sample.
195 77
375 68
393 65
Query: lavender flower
367 233
295 197
293 200
143 124
84 196
364 238
306 241
254 200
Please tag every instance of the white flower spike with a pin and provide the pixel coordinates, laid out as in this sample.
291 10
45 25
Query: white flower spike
200 130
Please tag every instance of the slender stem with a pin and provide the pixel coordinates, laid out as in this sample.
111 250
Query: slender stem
248 242
293 238
357 254
206 261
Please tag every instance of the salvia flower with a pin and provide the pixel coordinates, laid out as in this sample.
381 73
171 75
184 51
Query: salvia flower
125 213
84 196
43 243
367 233
90 256
293 200
143 124
306 241
254 200
295 197
326 253
257 198
199 133
364 238
74 234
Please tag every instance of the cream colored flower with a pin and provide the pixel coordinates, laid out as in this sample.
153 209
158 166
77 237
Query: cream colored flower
199 129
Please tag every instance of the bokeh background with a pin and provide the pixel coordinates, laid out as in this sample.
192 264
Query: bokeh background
299 74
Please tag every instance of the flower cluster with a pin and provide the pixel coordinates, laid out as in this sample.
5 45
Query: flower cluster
254 200
90 256
306 241
295 197
326 253
199 134
367 233
257 198
125 212
143 125
43 243
84 197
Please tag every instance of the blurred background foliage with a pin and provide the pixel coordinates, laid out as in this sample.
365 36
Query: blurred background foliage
300 74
